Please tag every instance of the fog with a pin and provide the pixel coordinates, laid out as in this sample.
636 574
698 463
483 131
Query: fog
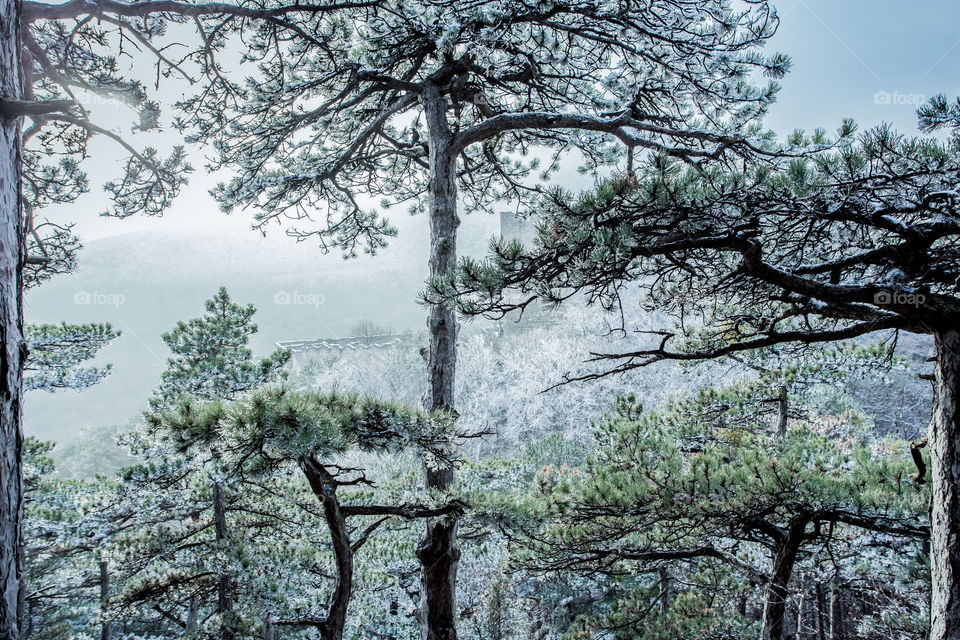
144 274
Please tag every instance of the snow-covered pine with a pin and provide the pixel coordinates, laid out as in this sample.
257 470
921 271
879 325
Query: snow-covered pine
211 357
58 351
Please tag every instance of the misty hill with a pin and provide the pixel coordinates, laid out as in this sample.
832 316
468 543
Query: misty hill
144 282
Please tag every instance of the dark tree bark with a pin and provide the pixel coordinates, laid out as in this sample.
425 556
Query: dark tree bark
665 592
944 443
775 596
783 407
437 549
324 486
12 345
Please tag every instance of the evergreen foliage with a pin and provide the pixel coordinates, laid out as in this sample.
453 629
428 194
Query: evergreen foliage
211 357
769 506
57 351
703 495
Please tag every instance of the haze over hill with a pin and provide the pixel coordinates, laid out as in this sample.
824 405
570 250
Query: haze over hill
144 282
166 269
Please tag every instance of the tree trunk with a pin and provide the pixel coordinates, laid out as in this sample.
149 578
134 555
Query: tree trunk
193 611
104 599
268 628
665 594
836 612
324 486
13 347
437 549
821 613
775 597
783 407
801 610
944 442
224 588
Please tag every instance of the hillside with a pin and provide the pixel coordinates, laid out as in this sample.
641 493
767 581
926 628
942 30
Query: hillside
144 282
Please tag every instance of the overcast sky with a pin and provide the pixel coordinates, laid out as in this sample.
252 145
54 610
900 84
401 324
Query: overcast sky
872 60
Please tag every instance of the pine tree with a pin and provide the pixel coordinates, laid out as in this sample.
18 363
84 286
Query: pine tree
238 454
68 526
273 432
853 235
59 538
212 359
57 351
54 61
437 105
702 487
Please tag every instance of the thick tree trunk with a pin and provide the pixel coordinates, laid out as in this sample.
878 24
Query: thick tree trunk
437 549
775 597
224 587
12 345
944 443
324 486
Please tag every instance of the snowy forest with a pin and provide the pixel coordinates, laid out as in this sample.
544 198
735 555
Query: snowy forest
512 320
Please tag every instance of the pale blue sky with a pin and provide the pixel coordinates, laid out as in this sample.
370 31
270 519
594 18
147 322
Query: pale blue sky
846 51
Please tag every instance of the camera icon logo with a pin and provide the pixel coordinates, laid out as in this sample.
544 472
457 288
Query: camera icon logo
883 297
81 297
281 297
882 97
